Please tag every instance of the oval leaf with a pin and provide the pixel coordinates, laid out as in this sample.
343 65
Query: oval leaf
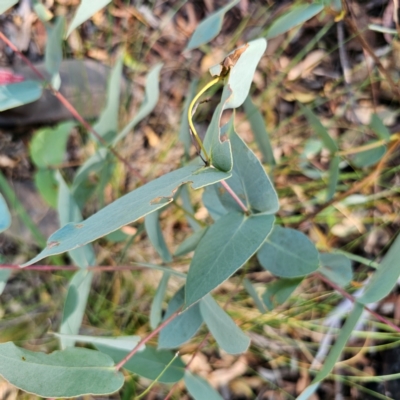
277 292
369 157
54 53
249 181
288 253
242 73
5 216
75 305
69 373
200 389
17 94
47 148
156 305
319 129
183 327
336 267
6 4
154 233
209 28
385 278
86 10
225 247
127 209
259 131
228 336
152 92
149 363
296 16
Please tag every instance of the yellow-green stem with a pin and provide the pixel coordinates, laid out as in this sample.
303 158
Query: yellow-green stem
190 110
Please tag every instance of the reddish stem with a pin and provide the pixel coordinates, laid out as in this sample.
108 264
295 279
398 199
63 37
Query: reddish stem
234 196
72 110
353 299
145 340
71 267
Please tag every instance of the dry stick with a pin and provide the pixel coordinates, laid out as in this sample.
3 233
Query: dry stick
344 61
71 109
145 340
354 300
394 86
370 179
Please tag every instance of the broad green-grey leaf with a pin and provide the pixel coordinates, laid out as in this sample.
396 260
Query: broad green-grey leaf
254 295
47 186
107 124
42 12
75 305
385 278
226 333
319 129
69 212
126 343
190 243
84 185
209 28
213 203
6 4
156 305
336 267
296 16
149 363
259 130
249 181
54 54
140 202
5 216
18 94
48 146
333 177
183 327
184 133
219 152
152 92
4 275
154 233
187 205
278 291
86 10
242 73
288 253
379 128
200 389
69 373
226 246
93 164
368 157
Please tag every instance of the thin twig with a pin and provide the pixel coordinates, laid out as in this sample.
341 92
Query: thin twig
344 61
349 20
71 109
235 196
354 300
145 340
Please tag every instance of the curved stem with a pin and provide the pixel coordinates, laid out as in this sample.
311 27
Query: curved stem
145 340
190 112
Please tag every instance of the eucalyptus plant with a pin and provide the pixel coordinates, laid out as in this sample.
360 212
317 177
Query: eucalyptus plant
239 196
